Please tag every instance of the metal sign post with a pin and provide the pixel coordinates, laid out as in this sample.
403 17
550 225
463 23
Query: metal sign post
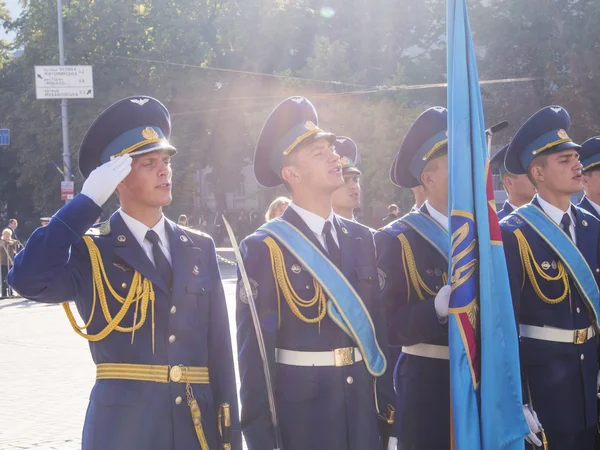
64 112
64 82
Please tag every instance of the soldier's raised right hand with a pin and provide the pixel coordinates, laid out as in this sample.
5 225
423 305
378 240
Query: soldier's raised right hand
104 179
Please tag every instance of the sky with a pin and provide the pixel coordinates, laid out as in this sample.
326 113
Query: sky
14 8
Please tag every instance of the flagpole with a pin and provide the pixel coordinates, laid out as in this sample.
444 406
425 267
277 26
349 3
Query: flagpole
491 131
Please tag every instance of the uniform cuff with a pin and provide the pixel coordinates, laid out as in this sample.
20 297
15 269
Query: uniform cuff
78 215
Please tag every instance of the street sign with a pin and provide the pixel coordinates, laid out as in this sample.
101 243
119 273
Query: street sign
67 190
4 136
58 82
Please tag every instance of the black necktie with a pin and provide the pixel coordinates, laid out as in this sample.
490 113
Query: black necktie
332 249
160 260
566 224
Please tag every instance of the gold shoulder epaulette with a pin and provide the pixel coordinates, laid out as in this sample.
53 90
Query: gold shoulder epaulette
102 230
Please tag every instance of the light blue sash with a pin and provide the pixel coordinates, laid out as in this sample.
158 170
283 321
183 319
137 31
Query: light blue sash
575 263
429 230
344 306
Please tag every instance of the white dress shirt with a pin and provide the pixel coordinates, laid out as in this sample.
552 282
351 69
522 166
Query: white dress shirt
316 224
594 204
139 230
556 214
437 216
512 206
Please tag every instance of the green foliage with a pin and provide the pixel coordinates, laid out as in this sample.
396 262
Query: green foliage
345 50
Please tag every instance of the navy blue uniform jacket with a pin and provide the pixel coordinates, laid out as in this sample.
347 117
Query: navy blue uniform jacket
422 384
139 415
319 408
561 376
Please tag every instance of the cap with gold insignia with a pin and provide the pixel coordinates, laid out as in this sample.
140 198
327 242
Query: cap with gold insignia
426 138
497 162
543 133
292 124
348 151
589 155
134 125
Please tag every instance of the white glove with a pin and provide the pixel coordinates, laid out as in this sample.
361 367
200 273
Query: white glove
441 301
104 179
392 443
534 426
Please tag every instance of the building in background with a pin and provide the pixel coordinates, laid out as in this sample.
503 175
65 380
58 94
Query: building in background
245 197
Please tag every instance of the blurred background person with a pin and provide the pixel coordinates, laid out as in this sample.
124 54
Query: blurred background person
182 220
276 208
12 227
347 198
8 248
392 215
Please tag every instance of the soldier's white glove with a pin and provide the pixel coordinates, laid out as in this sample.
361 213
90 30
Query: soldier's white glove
441 301
392 443
534 426
103 180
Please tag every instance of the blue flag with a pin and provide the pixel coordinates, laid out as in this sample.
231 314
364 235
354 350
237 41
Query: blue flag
484 354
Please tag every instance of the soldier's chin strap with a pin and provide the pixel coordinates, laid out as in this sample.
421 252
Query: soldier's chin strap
140 292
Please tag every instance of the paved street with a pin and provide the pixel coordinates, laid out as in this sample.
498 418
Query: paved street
46 374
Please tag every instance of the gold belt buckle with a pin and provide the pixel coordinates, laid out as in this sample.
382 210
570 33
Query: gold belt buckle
581 336
176 374
343 356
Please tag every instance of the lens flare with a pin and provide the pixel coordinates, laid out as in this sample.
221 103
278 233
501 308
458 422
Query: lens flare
327 12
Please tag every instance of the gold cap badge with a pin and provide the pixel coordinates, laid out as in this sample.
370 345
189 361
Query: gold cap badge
310 126
562 134
149 133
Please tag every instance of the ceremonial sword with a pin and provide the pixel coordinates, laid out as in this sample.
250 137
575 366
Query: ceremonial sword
258 330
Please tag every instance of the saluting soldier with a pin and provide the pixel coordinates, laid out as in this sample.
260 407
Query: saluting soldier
551 249
518 188
413 264
149 293
314 282
347 198
590 159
